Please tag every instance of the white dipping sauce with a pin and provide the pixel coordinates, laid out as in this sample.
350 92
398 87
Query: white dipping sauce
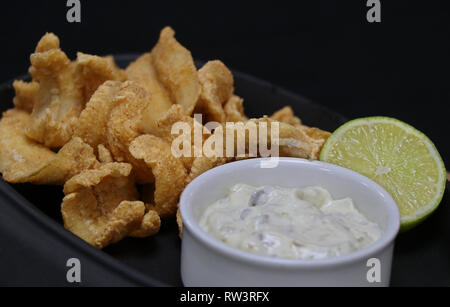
289 223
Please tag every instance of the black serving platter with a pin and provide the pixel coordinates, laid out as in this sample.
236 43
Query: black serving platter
34 247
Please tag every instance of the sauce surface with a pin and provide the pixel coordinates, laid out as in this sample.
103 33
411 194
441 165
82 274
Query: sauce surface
289 223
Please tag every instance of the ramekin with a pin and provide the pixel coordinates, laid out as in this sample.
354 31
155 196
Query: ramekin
207 262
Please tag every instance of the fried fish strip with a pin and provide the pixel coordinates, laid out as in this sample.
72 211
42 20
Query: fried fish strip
59 100
286 115
169 172
234 110
101 205
26 93
318 136
176 70
112 118
143 72
60 90
92 123
24 161
217 88
316 133
203 164
169 74
92 71
104 155
166 125
180 224
123 128
291 141
74 157
150 224
19 156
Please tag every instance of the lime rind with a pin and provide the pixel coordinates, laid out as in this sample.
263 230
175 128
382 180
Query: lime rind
409 222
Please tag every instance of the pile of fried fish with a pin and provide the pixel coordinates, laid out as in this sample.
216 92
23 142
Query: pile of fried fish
101 131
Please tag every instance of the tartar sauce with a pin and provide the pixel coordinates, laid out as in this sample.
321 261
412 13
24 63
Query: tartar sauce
289 223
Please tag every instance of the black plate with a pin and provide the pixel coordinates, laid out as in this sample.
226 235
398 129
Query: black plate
34 248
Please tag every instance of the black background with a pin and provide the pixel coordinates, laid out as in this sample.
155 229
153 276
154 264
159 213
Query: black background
323 50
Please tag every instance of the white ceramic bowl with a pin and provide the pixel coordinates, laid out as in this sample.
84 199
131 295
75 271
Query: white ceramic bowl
207 262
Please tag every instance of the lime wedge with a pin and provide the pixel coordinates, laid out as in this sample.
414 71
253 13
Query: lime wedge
397 156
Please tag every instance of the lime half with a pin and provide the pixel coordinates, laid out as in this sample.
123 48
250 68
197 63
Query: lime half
397 156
